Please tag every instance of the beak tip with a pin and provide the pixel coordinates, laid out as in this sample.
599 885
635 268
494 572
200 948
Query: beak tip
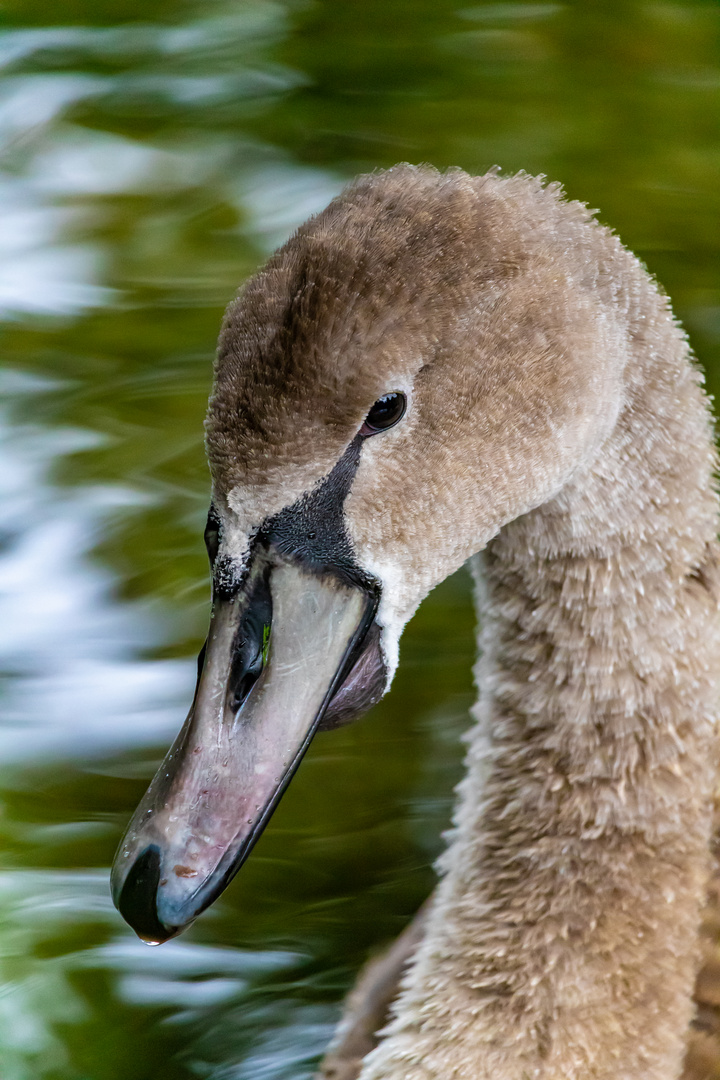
137 900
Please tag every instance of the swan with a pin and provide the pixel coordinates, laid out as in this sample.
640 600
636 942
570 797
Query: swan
442 367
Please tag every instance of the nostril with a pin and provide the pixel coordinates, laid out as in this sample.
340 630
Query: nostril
250 651
243 676
137 902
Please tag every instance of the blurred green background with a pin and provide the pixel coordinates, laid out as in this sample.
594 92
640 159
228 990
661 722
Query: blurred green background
152 155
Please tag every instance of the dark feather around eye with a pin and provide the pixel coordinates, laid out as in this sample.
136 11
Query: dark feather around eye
385 413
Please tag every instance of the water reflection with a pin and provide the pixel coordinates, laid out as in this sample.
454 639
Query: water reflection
51 163
37 994
75 686
184 984
150 156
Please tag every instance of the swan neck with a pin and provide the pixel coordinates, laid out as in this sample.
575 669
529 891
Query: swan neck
563 939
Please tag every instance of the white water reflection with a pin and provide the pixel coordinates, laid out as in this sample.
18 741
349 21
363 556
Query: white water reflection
74 686
189 982
163 976
279 196
29 102
39 271
37 994
75 162
287 1048
47 162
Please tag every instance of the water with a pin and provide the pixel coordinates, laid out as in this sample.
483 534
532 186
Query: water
151 155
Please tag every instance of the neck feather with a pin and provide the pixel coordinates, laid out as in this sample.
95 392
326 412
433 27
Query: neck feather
563 939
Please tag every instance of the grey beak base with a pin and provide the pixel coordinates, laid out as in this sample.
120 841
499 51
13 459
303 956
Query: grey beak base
276 653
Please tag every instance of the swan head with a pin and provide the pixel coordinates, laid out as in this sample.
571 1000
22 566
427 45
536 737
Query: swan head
418 365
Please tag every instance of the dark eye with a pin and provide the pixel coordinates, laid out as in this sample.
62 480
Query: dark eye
212 534
385 413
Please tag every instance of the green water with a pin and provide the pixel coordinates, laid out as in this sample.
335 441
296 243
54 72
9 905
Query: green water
152 154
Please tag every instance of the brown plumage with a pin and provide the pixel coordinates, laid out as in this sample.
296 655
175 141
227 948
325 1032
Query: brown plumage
557 426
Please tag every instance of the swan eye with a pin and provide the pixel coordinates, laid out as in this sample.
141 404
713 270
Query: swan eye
385 413
212 535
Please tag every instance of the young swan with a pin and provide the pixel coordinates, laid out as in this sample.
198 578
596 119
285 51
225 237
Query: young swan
567 426
554 422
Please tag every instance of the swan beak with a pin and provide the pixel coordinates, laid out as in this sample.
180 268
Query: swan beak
275 653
